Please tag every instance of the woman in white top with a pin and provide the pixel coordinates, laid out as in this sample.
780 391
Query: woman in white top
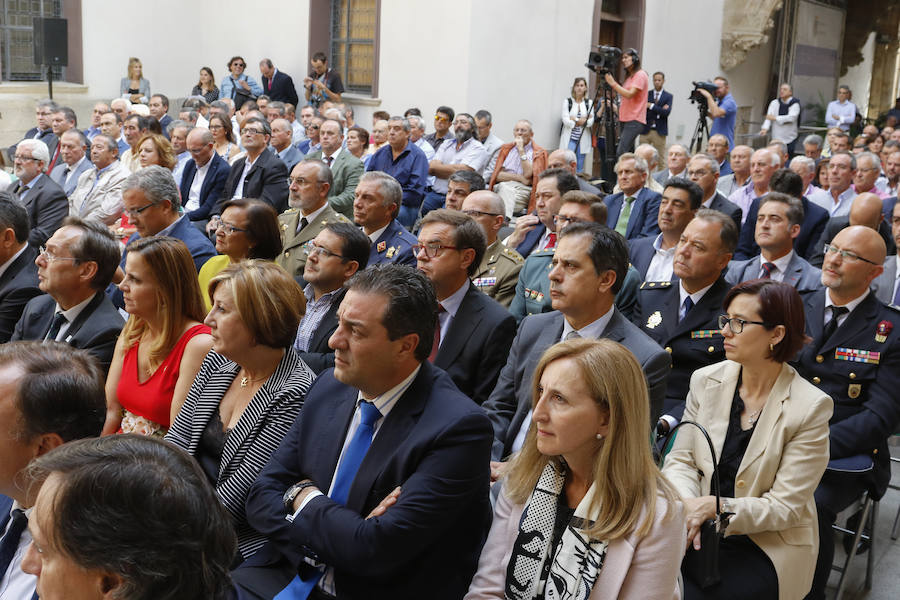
577 118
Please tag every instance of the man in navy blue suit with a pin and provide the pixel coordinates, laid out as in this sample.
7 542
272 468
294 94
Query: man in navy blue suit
50 394
659 105
380 489
633 211
204 176
277 85
537 231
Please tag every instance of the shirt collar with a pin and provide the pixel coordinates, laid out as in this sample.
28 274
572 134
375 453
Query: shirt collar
780 263
377 233
168 230
850 305
310 294
591 330
451 303
311 216
386 401
695 297
72 313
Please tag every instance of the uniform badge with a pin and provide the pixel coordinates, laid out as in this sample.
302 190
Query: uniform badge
484 281
854 355
881 332
492 271
854 389
381 246
391 251
654 320
705 333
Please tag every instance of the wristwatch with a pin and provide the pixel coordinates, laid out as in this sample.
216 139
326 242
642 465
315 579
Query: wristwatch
292 492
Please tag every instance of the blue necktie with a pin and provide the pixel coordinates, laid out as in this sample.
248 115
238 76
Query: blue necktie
685 308
299 589
10 541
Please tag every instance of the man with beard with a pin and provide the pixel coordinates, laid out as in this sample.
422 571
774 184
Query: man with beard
462 152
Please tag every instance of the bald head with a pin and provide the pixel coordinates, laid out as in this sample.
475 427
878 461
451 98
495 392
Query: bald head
559 160
864 241
488 211
649 154
866 211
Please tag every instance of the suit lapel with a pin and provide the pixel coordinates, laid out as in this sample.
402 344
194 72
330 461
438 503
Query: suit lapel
815 314
83 316
720 393
635 218
794 271
466 320
614 208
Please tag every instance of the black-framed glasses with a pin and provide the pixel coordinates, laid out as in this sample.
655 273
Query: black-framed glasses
432 250
478 213
50 257
136 211
237 64
229 228
252 130
737 325
847 254
562 220
321 251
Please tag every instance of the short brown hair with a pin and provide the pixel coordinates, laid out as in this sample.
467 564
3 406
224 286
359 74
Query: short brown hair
592 201
268 299
163 149
779 304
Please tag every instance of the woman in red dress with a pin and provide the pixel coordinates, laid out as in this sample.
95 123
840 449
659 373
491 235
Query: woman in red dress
164 341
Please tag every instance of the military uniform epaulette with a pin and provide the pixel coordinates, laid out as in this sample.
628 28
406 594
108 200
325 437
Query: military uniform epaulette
655 285
513 256
290 211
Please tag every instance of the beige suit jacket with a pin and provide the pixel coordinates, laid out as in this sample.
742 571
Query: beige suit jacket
634 568
781 468
293 255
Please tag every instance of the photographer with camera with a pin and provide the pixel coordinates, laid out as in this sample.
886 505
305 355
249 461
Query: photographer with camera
722 109
633 104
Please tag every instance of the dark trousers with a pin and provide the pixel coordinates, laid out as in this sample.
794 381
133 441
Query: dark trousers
836 492
746 572
630 131
432 201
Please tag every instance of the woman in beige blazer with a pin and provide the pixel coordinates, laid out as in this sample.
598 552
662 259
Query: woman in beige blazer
769 427
584 512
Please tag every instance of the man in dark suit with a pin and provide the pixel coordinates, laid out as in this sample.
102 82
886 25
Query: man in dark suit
659 105
537 231
777 224
73 145
384 422
475 331
18 279
43 199
204 176
589 268
814 218
375 209
704 171
35 421
682 315
277 85
854 358
866 210
334 256
43 131
159 108
653 256
78 264
260 174
346 169
677 158
633 211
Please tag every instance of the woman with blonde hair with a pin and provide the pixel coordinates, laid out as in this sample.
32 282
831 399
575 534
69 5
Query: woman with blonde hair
134 87
155 149
584 512
164 340
250 387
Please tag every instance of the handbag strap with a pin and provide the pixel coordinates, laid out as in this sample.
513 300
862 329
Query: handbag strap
715 475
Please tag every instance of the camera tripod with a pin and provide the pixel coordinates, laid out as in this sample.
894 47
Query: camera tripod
701 131
607 128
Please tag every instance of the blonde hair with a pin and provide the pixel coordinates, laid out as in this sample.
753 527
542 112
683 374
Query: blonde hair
628 481
268 299
177 293
133 62
163 149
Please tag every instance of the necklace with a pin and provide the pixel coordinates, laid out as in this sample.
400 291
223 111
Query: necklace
245 380
752 417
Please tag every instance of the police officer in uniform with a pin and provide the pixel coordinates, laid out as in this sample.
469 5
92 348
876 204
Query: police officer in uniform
498 272
854 357
682 315
308 214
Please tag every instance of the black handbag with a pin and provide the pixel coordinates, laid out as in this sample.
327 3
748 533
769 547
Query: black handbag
702 565
240 95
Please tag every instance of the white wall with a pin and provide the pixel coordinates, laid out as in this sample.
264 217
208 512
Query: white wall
682 39
173 40
749 86
859 77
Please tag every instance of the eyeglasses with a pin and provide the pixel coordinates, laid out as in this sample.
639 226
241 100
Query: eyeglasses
137 211
737 325
237 64
23 158
211 127
432 250
316 250
50 257
251 131
229 228
312 127
299 181
478 213
562 220
847 254
441 118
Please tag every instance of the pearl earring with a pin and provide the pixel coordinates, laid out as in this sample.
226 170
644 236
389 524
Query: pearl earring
599 436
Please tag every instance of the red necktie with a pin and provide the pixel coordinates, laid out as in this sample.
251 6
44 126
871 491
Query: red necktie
53 160
435 346
551 241
270 85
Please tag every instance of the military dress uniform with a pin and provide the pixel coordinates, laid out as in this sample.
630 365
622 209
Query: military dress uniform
294 252
694 342
498 273
394 245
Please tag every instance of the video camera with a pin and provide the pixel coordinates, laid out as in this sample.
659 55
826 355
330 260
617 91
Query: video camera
604 60
696 97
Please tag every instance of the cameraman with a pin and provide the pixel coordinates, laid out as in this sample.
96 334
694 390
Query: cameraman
633 104
722 110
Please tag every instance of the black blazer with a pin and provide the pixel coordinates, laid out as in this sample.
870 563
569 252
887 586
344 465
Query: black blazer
95 329
435 443
834 226
212 187
814 220
18 285
47 206
477 344
319 356
640 252
724 205
283 89
266 181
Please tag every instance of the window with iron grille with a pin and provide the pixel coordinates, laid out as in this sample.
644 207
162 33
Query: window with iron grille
353 43
17 38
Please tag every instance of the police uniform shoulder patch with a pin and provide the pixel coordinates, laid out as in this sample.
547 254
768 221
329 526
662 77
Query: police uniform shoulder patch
655 285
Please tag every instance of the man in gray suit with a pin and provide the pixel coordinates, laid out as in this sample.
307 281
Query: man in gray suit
778 222
588 269
676 161
282 136
346 169
72 148
886 286
43 199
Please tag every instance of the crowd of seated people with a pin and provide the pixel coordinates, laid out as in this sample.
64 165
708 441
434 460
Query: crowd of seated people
353 351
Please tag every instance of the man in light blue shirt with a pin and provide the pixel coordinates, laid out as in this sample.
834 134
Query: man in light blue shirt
841 112
722 110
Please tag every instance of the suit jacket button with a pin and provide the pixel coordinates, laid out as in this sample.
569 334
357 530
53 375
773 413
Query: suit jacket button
816 380
820 359
740 483
669 349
